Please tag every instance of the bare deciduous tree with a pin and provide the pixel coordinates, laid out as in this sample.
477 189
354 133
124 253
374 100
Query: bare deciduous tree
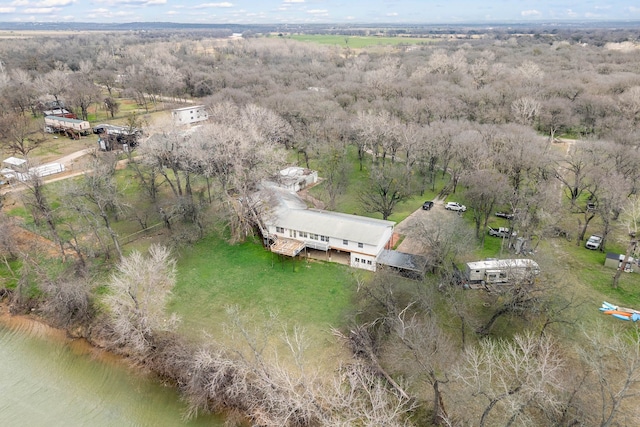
386 188
612 358
509 382
138 293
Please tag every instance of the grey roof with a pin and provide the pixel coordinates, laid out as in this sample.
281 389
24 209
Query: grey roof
403 260
287 210
192 107
65 119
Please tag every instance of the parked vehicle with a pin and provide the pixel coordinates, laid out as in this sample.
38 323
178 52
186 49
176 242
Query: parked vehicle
501 232
427 205
455 206
506 215
593 242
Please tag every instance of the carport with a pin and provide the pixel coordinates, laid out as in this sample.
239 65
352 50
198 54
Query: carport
408 265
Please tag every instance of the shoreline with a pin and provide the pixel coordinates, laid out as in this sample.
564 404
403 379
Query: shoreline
36 326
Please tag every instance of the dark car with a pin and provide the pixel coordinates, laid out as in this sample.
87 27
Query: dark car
427 205
506 215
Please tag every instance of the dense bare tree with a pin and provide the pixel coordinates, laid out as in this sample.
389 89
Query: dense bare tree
509 382
55 83
386 188
97 200
139 291
486 190
20 134
35 198
612 358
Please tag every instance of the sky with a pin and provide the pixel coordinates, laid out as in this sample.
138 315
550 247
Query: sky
316 11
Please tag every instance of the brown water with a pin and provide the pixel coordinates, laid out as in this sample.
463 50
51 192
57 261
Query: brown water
46 380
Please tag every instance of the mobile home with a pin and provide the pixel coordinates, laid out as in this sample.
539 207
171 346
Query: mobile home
501 271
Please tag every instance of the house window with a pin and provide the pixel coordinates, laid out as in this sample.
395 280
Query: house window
361 245
313 236
369 262
363 260
324 238
279 230
292 233
303 234
357 259
345 242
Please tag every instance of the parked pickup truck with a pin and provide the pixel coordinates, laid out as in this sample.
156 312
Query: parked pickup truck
501 232
594 242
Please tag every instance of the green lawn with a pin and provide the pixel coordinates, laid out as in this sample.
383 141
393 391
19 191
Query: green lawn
358 42
214 275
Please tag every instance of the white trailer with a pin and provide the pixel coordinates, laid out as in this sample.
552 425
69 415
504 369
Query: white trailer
501 270
64 124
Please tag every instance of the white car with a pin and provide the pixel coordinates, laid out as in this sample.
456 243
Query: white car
455 206
593 242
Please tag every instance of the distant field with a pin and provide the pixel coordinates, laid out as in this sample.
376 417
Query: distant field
360 42
27 34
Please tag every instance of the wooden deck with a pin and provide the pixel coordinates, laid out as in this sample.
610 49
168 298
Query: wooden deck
288 247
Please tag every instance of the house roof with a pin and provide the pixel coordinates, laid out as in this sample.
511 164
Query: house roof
286 209
403 260
65 119
14 161
192 107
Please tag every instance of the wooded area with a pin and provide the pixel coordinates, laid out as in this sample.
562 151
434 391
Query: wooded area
542 125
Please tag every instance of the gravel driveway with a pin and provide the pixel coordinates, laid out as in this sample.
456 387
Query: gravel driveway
410 244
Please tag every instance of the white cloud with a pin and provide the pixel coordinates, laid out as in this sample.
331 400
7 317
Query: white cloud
41 10
172 12
531 12
132 2
323 12
20 3
392 14
571 13
207 5
604 7
52 3
292 1
633 9
7 9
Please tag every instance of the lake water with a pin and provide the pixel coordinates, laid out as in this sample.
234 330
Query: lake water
45 380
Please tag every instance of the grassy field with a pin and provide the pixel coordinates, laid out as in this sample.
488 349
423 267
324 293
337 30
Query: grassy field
359 42
214 275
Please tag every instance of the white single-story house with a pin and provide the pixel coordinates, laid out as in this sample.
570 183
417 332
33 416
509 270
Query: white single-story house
189 115
291 227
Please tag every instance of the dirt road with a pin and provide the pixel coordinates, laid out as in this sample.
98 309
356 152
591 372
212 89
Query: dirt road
410 244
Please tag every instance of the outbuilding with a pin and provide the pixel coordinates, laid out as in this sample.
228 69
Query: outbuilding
615 261
189 115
